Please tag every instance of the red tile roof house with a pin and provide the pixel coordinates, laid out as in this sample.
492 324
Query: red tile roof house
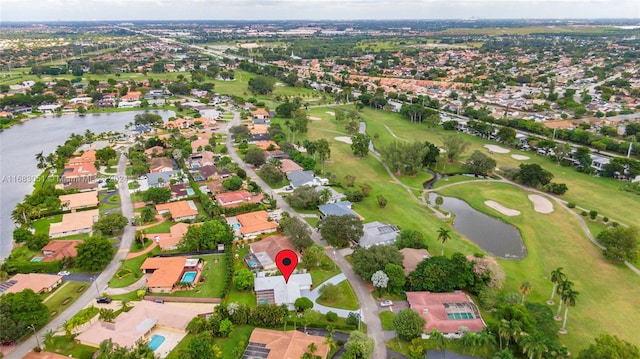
450 313
237 198
166 272
180 211
169 241
260 113
82 176
57 250
80 200
199 144
160 164
37 282
74 223
154 151
266 250
256 223
284 345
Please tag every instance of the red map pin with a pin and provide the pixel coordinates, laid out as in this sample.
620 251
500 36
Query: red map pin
286 260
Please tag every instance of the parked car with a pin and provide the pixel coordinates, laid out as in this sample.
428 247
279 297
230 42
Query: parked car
63 273
104 300
386 303
159 300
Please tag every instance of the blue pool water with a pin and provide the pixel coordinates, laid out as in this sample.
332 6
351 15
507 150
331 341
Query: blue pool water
252 263
195 165
190 192
188 277
36 259
156 341
236 226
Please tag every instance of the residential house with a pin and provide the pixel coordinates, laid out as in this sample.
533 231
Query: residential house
177 123
237 198
75 201
450 313
305 178
138 324
57 250
376 234
160 164
37 282
199 145
165 272
266 250
256 223
332 196
169 241
211 172
274 290
276 155
259 137
180 191
412 257
342 208
80 176
44 355
154 151
266 145
180 211
288 165
276 344
132 96
260 113
74 223
201 159
161 179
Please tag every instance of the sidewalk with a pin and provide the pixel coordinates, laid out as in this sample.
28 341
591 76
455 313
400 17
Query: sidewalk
143 252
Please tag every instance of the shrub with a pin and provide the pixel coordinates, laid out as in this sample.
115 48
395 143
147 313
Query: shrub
615 224
593 214
571 205
353 319
331 316
584 213
605 219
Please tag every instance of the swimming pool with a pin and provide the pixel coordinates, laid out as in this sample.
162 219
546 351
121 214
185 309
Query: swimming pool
195 165
458 316
236 226
190 192
189 277
252 264
156 341
36 259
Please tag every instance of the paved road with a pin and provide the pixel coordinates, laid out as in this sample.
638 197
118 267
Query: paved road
100 283
368 305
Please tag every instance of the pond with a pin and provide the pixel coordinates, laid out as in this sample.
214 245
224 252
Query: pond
497 238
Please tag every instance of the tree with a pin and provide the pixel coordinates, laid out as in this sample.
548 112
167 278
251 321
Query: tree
200 346
18 311
439 339
479 164
94 253
112 222
360 144
454 145
583 155
35 242
106 154
569 298
198 325
431 154
367 261
441 274
382 202
323 150
226 327
408 324
396 276
232 184
444 235
312 256
329 291
525 288
310 317
359 345
206 236
533 175
352 127
107 315
339 231
610 347
557 276
157 195
271 174
286 109
380 281
302 304
410 238
255 157
621 243
147 214
243 279
261 85
564 286
305 197
297 231
534 344
239 133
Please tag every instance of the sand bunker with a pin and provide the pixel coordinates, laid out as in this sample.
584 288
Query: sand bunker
280 84
502 209
541 204
331 113
344 139
496 149
520 157
314 118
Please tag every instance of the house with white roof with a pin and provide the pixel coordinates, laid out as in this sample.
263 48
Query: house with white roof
274 290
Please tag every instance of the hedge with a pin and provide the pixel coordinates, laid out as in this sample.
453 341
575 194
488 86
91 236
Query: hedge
15 266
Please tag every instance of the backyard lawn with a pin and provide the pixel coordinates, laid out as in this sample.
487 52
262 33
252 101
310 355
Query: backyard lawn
345 298
42 225
63 297
62 345
160 228
214 274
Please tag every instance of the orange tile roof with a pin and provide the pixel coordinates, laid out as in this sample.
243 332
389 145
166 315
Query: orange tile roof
236 198
254 222
272 245
178 209
79 169
264 145
37 282
79 200
260 111
88 156
256 129
44 355
74 221
60 250
288 345
167 270
288 165
171 239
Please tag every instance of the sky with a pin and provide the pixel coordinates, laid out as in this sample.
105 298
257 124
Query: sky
87 10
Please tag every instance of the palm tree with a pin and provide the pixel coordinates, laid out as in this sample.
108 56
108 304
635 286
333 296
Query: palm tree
439 340
443 236
503 332
469 340
503 354
525 288
47 338
42 161
569 297
329 341
557 276
534 344
19 215
484 338
562 287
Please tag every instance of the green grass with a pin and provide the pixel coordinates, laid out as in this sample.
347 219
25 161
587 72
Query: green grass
214 274
111 170
134 266
416 181
402 346
236 343
312 221
62 345
136 247
454 179
160 228
69 290
387 319
345 299
42 225
557 240
131 296
326 270
247 297
114 199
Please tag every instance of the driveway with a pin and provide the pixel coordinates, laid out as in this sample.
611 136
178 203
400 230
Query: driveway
100 283
368 305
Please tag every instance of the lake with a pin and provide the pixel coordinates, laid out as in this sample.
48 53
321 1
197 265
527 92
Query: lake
497 238
20 143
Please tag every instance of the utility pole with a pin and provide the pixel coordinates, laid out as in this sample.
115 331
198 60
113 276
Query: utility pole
36 335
